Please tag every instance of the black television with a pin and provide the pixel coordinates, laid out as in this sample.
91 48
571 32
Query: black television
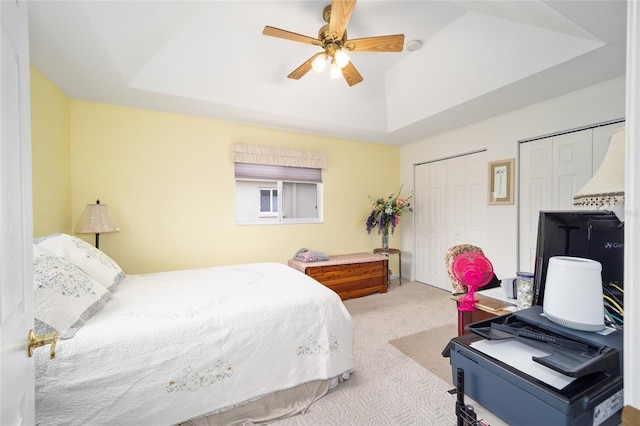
591 234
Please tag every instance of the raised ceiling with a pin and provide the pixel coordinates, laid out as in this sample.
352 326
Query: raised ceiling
210 59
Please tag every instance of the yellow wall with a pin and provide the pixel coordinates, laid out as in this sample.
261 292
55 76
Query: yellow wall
51 157
168 181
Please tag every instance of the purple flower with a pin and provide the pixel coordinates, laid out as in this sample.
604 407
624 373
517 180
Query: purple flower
385 214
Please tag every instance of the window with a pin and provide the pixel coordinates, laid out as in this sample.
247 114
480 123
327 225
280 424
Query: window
268 202
277 185
284 198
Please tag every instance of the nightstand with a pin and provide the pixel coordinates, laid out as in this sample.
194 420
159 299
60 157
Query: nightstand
387 252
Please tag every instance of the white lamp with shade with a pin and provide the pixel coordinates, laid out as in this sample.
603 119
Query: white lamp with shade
96 219
605 189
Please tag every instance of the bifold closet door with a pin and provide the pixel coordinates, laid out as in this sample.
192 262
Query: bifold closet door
430 221
450 209
552 170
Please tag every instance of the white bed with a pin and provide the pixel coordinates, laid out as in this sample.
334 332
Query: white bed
175 346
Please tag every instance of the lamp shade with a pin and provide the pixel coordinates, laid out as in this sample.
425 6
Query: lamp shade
335 71
96 219
319 63
605 190
342 59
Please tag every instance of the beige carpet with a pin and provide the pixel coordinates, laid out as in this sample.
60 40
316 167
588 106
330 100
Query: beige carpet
425 348
388 387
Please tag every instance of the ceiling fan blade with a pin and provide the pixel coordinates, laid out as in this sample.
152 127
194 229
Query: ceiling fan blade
351 74
299 72
388 43
288 35
341 11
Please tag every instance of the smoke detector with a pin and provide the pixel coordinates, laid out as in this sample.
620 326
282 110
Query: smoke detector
414 45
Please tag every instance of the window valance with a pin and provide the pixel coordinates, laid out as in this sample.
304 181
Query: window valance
277 156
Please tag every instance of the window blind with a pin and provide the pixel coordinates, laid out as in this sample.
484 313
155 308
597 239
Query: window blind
282 173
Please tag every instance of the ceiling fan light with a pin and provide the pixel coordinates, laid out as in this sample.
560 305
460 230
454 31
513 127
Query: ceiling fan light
335 70
319 63
342 59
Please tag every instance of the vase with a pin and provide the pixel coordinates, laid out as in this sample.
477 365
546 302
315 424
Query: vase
385 238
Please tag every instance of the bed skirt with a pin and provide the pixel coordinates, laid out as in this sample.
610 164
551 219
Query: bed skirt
269 408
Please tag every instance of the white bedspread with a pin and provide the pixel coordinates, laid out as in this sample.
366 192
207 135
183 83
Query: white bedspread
172 346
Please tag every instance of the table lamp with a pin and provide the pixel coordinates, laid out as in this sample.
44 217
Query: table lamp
605 190
96 219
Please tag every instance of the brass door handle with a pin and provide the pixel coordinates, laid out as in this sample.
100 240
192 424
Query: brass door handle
37 340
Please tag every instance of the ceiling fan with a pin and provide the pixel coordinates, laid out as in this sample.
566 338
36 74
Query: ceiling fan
332 38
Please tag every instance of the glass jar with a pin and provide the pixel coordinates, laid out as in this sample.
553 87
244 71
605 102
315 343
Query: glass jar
525 289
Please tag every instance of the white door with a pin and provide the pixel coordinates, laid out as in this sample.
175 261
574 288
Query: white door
438 225
552 170
420 217
16 288
450 210
572 162
466 202
536 167
456 201
430 211
476 198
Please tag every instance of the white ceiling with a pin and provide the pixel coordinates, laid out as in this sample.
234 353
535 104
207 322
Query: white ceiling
210 59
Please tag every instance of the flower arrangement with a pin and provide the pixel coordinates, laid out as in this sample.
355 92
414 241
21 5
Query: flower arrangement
385 214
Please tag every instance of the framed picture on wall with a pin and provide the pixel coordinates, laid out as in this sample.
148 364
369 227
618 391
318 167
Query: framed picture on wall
501 181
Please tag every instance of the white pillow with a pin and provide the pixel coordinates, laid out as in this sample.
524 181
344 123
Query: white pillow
94 262
65 296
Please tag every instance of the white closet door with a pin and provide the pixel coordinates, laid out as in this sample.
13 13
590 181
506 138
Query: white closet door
476 198
450 210
536 166
437 225
466 199
552 170
421 218
456 201
572 163
430 193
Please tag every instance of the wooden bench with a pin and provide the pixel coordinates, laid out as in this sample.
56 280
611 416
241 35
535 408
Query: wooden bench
349 275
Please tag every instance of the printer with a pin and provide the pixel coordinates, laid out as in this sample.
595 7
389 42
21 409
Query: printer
528 370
